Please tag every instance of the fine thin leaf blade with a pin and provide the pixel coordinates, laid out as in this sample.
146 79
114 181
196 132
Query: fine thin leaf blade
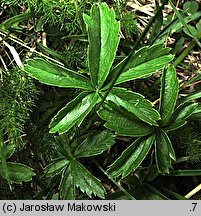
95 144
103 32
194 96
18 172
145 61
8 23
157 26
52 74
73 113
67 185
176 25
173 194
180 116
194 172
169 93
196 115
56 167
134 103
192 29
3 158
186 27
79 17
131 157
164 152
53 53
127 125
86 181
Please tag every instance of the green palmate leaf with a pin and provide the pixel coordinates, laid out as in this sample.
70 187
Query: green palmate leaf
18 172
144 62
103 32
180 116
134 103
56 167
164 152
124 123
169 93
132 157
95 144
74 112
86 181
67 185
52 74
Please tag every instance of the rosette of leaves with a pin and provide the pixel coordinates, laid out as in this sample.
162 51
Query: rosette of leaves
126 112
73 173
103 43
170 119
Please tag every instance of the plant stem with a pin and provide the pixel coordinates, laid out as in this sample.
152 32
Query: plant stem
149 24
109 177
187 50
173 194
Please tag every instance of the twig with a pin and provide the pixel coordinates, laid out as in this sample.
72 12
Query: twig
193 192
109 177
187 50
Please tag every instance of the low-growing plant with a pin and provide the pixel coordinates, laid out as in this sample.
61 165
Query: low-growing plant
125 112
